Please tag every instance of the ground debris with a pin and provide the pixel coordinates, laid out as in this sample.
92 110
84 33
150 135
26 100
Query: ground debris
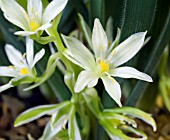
10 108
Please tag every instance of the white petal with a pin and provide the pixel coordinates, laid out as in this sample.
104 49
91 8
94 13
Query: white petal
93 82
44 27
28 33
99 40
14 13
129 72
79 52
16 22
14 56
5 87
8 71
77 135
29 51
83 80
37 57
113 88
53 9
34 8
69 56
127 49
24 33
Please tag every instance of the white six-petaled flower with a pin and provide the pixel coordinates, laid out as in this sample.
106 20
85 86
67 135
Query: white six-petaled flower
105 62
22 65
35 19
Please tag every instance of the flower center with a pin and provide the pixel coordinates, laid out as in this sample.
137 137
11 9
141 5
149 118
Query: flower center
34 25
24 71
104 66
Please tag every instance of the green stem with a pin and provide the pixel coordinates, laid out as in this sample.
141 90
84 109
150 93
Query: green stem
69 78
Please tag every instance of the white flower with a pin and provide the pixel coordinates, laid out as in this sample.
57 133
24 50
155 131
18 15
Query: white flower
35 19
22 65
106 61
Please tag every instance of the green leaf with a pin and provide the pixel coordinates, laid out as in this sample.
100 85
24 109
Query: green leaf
97 10
23 3
134 112
109 29
69 14
86 30
49 134
155 53
44 40
23 80
37 112
63 114
132 130
114 9
92 100
112 117
138 15
73 130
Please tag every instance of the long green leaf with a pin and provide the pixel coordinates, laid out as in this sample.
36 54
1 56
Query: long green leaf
152 61
37 112
134 112
97 10
138 15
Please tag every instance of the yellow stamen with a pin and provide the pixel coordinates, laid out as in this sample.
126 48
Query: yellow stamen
34 25
104 66
24 71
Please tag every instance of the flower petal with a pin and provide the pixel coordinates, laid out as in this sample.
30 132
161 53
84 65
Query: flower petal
44 27
14 56
28 33
37 57
80 53
127 49
29 51
99 40
6 86
129 72
8 71
14 13
34 8
24 33
53 9
84 78
113 88
69 56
